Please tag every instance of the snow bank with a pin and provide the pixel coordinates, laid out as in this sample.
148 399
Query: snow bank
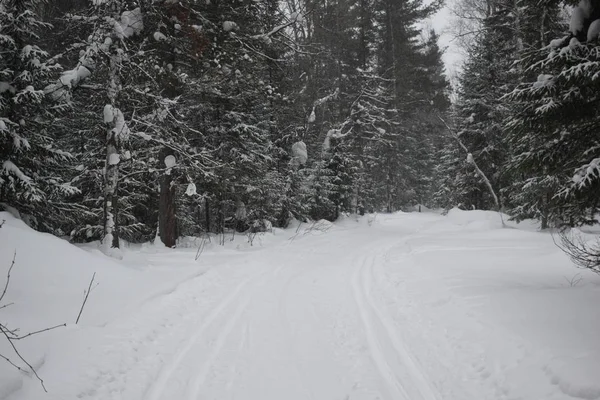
46 288
476 219
506 303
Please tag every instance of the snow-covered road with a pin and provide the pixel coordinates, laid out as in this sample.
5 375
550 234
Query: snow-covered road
406 307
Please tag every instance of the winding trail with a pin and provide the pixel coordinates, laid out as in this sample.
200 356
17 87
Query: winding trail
341 315
303 324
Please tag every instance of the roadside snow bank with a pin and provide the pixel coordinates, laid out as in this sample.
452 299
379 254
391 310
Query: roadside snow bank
47 285
523 317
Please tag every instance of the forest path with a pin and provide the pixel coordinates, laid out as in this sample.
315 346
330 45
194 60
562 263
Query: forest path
302 324
403 307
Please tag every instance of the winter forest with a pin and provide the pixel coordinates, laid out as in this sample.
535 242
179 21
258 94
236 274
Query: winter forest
299 199
130 120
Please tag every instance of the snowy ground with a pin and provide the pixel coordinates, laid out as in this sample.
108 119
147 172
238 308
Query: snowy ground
403 307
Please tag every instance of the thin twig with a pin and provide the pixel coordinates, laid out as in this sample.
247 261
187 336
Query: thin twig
40 331
12 363
8 276
87 293
10 341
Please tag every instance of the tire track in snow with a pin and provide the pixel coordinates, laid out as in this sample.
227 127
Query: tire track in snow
158 387
419 379
397 390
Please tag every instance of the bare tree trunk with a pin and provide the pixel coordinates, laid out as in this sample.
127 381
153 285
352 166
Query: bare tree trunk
167 220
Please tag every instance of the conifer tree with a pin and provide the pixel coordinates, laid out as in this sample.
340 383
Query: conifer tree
32 179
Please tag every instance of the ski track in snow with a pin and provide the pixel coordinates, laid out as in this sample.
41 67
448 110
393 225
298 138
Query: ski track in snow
396 387
426 391
157 389
347 315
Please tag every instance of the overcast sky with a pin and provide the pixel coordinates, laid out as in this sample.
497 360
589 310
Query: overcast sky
452 56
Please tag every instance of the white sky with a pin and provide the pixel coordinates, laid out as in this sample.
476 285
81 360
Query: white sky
452 55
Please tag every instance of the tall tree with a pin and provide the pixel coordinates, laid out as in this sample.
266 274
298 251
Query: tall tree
32 178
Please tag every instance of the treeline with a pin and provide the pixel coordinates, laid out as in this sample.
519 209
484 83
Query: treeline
527 108
134 119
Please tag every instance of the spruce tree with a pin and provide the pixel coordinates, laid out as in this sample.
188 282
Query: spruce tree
32 175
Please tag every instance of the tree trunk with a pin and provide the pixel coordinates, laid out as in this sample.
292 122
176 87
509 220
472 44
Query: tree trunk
167 221
207 214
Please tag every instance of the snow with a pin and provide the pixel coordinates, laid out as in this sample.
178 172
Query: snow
556 43
158 36
593 30
114 159
121 130
587 174
191 189
577 20
7 87
73 77
229 26
299 153
8 167
296 17
393 307
543 80
131 24
109 114
170 161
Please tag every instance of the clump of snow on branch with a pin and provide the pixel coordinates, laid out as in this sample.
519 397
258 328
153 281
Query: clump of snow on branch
7 87
543 80
299 153
158 36
191 189
325 99
73 77
593 30
170 162
109 115
131 23
229 26
114 159
335 134
312 117
296 16
587 173
8 167
121 130
556 43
